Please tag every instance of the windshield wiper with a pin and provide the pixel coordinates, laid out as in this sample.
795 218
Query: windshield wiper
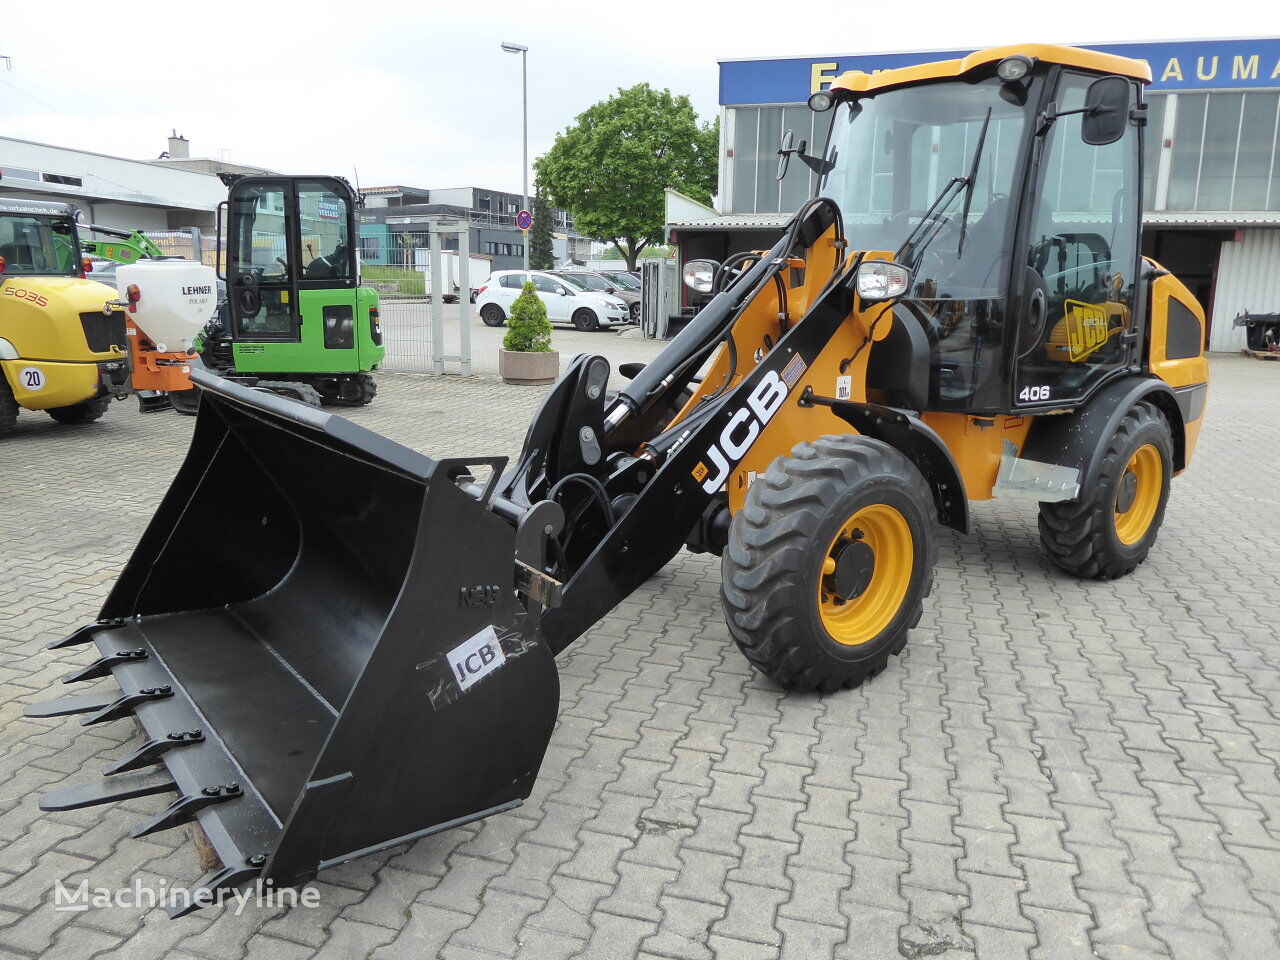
972 181
931 223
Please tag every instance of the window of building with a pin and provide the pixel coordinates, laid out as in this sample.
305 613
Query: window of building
64 180
17 173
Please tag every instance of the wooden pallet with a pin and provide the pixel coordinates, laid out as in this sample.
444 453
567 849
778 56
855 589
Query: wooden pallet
1260 354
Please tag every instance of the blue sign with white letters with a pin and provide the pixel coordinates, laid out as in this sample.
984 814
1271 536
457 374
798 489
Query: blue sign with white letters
1175 65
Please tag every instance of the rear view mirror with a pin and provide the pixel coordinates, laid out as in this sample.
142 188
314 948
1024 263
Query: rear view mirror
784 153
1106 111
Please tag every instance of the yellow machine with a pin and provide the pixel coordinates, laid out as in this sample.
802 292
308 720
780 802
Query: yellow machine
63 350
335 644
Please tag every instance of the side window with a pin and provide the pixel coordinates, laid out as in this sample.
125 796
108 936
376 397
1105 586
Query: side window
513 280
544 284
1082 258
324 246
263 240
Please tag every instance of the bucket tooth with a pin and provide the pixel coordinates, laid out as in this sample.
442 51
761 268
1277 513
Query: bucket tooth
65 706
108 791
102 666
227 878
153 751
184 809
85 633
127 704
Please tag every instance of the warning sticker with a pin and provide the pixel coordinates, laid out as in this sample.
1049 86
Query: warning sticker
792 371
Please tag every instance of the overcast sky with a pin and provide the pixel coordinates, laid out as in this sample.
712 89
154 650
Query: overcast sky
421 94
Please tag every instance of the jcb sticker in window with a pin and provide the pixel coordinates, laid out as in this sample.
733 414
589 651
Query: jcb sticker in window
1087 328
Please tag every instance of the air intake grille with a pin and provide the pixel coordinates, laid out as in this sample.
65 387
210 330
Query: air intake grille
101 331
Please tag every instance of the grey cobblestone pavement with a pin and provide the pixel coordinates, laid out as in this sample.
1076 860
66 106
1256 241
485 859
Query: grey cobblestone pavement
1052 769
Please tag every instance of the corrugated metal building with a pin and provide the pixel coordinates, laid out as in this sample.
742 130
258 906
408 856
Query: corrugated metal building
1212 175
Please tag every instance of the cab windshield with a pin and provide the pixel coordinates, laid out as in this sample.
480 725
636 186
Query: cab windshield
925 173
37 246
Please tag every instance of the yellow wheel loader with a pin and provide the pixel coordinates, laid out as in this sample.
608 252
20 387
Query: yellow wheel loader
61 349
335 644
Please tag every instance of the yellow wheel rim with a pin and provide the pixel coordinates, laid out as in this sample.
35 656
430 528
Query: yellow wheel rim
870 559
1138 494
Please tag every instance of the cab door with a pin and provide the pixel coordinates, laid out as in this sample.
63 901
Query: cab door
1081 280
262 289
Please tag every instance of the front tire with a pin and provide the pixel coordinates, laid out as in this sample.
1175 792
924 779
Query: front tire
86 411
585 320
1109 529
8 408
492 315
829 562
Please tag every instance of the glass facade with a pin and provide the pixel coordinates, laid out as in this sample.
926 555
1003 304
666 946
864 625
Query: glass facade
1206 152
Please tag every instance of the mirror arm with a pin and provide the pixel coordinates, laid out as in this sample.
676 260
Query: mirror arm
1052 113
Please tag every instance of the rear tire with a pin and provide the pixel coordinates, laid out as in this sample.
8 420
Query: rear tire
785 567
635 312
8 408
492 315
1092 536
585 320
86 411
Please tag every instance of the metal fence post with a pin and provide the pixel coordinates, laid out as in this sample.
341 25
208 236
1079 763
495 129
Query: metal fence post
437 299
464 298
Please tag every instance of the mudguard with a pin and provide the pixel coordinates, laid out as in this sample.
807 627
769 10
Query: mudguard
1079 439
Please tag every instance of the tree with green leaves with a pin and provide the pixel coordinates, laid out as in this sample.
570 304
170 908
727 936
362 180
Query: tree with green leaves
541 254
528 329
609 169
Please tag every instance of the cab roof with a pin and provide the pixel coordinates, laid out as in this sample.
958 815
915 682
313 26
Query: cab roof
35 208
856 81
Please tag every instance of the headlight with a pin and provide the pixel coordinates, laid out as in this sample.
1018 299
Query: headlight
881 280
699 275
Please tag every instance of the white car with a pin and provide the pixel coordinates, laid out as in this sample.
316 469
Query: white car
585 309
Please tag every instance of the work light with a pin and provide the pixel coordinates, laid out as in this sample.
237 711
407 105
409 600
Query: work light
1013 68
822 101
699 275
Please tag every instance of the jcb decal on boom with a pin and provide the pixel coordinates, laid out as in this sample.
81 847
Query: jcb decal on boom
740 432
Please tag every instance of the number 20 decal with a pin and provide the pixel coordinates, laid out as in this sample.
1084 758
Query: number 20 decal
32 378
1031 394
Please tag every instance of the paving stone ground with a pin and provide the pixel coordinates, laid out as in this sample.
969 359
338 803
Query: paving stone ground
1052 769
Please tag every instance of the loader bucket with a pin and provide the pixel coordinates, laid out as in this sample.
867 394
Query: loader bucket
321 637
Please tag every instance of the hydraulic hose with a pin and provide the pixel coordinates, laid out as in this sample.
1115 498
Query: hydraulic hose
692 343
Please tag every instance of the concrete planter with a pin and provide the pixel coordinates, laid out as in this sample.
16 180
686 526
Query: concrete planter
530 369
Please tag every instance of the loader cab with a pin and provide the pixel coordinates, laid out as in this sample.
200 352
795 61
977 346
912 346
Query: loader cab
38 240
1016 204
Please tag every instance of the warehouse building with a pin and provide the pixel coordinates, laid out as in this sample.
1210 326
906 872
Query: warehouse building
1212 174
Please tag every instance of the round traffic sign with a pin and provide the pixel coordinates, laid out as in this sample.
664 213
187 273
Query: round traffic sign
524 219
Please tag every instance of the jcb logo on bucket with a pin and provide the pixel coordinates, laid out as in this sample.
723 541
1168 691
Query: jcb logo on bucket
740 432
476 658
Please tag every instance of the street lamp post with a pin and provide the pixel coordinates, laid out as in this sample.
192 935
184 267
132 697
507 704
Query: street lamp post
524 153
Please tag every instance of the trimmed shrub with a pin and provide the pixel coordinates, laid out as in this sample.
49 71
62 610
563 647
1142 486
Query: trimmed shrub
528 329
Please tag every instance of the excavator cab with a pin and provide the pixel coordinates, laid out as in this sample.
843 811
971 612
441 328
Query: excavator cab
295 309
